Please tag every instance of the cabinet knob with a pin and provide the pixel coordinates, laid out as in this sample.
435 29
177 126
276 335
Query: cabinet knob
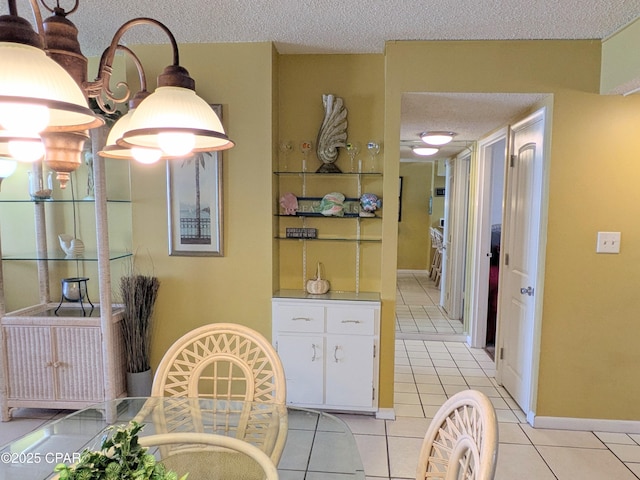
304 319
315 355
351 321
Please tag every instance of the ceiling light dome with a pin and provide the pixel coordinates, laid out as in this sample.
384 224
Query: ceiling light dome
425 151
176 120
437 137
30 78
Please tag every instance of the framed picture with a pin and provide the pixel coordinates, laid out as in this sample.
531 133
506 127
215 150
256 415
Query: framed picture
194 198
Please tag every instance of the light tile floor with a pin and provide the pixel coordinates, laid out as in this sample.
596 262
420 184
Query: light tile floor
429 371
429 368
418 310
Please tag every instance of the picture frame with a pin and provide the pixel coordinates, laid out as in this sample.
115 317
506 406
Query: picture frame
194 201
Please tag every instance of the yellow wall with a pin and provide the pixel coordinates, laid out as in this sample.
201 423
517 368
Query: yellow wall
414 241
235 287
588 352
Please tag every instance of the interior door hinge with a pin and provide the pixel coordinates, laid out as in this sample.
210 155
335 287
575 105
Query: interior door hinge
374 351
512 161
373 393
501 353
506 259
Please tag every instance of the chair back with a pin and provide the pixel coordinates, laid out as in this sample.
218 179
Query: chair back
461 441
224 361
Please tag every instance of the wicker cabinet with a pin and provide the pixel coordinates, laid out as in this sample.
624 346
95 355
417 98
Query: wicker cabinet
66 358
329 349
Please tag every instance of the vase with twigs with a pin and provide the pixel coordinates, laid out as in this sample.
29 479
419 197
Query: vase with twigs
138 295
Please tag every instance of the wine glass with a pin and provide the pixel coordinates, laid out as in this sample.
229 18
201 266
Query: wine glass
286 146
305 148
353 148
374 149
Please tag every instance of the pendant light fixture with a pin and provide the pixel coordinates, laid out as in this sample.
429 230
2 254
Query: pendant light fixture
53 90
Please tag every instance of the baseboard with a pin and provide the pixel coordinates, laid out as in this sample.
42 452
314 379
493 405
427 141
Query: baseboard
386 414
587 424
412 271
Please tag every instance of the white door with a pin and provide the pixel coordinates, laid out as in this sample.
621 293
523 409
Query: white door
455 235
303 362
489 197
349 370
518 280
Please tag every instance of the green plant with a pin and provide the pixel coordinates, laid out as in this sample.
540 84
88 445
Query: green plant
121 457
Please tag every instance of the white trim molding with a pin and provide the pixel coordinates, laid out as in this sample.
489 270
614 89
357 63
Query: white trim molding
386 414
588 424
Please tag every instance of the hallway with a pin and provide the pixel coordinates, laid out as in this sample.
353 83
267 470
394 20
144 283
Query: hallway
418 314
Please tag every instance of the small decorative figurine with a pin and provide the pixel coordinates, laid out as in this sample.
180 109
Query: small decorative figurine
369 203
289 202
318 285
332 134
332 205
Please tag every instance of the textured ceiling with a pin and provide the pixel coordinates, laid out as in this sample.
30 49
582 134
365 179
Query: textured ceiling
363 26
345 26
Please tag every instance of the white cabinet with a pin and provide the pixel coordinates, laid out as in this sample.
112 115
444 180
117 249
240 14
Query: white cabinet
329 349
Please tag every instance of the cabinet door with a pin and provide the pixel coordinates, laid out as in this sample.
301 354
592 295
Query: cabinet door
30 363
349 370
302 358
78 367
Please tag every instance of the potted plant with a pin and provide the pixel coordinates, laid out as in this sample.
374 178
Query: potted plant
120 457
138 294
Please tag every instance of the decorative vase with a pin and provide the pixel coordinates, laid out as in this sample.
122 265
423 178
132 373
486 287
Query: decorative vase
139 384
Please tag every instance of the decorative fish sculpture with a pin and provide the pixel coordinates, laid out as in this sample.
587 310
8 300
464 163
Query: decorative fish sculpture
332 134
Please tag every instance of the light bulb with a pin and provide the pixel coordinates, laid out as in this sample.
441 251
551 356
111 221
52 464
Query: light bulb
7 167
176 144
146 155
27 119
26 150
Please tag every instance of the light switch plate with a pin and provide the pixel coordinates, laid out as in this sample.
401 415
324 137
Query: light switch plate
608 242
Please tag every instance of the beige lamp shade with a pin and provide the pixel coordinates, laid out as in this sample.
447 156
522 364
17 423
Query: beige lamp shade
182 116
29 81
113 150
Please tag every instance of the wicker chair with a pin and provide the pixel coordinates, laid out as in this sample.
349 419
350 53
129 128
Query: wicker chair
210 457
238 368
461 441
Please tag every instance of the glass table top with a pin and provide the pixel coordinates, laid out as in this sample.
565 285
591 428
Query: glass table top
318 445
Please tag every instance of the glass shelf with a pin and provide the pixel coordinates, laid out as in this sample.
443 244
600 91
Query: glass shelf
319 215
53 200
342 174
335 239
60 257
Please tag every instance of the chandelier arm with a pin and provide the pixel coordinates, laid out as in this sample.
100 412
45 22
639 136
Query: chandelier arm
101 90
101 86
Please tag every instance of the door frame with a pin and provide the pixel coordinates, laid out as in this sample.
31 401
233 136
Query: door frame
481 238
542 196
456 215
